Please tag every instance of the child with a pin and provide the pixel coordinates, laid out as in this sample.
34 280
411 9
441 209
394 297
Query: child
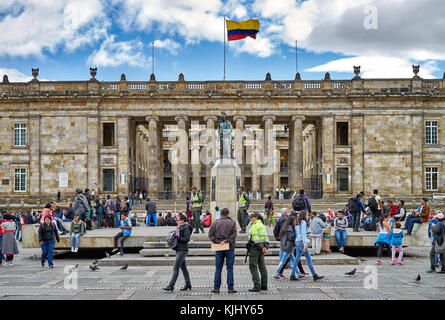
272 218
396 236
383 238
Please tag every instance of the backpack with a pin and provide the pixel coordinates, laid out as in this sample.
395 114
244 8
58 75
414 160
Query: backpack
372 203
299 204
133 221
172 240
353 205
276 232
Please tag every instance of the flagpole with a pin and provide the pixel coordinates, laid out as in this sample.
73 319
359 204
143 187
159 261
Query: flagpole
153 56
224 48
296 56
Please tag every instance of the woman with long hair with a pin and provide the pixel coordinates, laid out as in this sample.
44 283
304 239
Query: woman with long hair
383 239
183 232
9 244
301 241
287 244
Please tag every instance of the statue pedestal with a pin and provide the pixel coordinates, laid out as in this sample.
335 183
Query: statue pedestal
225 181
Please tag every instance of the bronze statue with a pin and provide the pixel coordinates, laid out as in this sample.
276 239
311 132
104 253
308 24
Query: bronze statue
225 137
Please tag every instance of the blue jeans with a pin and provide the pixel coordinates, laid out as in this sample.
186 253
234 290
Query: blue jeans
48 251
149 217
283 258
410 223
356 220
229 255
75 240
117 218
340 236
307 255
99 220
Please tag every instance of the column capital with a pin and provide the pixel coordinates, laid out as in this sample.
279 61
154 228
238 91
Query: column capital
298 117
151 117
269 117
210 117
182 117
239 117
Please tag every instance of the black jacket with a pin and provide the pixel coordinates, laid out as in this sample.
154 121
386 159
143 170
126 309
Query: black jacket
150 207
184 237
48 233
438 232
69 214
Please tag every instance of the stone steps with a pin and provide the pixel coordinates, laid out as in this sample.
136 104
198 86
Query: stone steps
139 260
201 252
201 244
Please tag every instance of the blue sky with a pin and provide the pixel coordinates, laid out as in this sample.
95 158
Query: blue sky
65 37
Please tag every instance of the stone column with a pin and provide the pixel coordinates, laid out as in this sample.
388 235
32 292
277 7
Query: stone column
33 177
239 144
357 164
296 168
195 161
123 168
93 153
328 155
268 168
417 180
182 176
290 156
153 157
210 148
160 147
313 152
276 174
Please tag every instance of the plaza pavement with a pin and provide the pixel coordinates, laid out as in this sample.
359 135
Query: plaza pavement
28 280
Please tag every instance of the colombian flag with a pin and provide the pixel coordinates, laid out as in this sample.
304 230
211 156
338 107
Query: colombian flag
241 29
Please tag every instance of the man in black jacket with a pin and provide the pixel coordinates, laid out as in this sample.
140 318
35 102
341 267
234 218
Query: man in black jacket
150 206
223 231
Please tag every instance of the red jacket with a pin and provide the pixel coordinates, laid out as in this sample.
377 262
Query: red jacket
207 220
393 210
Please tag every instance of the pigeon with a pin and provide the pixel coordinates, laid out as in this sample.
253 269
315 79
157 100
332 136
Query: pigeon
361 259
95 262
107 254
35 257
94 267
351 273
418 278
124 267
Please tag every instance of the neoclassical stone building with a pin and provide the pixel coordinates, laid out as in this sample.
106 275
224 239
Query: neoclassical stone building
331 137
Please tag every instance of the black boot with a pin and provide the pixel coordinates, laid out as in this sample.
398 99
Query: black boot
168 289
293 278
186 287
317 277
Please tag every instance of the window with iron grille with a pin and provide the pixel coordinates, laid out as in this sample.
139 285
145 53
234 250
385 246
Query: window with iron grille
431 132
431 175
19 134
19 180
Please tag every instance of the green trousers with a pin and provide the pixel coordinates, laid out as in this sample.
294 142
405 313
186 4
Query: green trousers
197 219
256 261
242 216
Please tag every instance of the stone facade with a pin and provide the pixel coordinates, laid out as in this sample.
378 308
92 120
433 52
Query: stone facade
336 137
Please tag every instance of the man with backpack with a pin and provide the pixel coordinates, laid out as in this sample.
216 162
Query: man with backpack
301 203
375 205
356 208
150 207
81 206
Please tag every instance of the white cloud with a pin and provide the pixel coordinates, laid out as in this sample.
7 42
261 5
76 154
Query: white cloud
169 45
112 54
14 75
260 46
32 26
377 67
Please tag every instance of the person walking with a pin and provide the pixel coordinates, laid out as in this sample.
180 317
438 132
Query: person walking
196 202
340 225
150 207
356 208
76 231
439 238
395 237
81 206
259 244
287 245
301 203
117 211
224 231
9 243
317 227
183 232
47 238
125 225
58 196
268 209
243 205
99 209
301 242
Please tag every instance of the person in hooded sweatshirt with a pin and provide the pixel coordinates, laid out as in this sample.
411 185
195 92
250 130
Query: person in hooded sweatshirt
395 237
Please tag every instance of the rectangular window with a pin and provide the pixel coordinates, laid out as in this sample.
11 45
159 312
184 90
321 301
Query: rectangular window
108 180
431 175
342 179
19 180
108 134
431 132
19 134
342 133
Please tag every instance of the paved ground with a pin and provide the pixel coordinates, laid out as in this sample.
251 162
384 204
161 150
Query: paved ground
28 280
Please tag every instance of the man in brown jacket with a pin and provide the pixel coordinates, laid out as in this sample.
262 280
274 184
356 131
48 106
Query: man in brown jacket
224 231
418 217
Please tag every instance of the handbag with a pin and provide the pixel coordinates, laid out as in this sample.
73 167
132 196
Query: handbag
440 248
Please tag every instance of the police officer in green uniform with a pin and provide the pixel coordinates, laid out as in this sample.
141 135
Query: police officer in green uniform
259 243
196 210
277 192
243 205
